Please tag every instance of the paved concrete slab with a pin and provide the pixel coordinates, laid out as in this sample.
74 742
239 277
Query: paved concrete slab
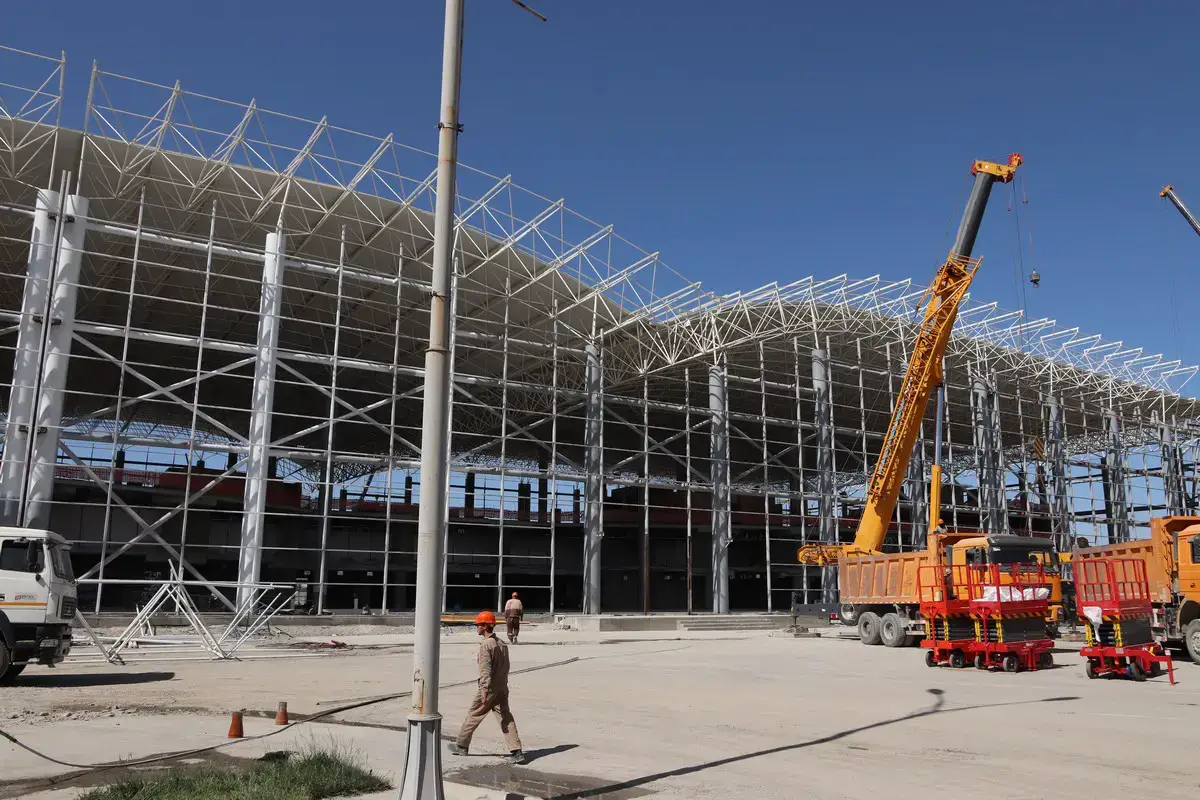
687 716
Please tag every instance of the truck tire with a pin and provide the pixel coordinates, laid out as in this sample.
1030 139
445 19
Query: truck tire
1191 638
6 665
868 628
11 674
891 630
848 614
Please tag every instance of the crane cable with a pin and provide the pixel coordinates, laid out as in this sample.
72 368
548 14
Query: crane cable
1014 205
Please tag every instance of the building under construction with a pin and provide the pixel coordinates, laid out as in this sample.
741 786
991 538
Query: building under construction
213 329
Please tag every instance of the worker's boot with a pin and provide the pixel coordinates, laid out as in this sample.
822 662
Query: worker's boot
456 750
517 757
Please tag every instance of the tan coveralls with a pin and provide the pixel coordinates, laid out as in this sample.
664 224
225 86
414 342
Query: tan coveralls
492 695
514 611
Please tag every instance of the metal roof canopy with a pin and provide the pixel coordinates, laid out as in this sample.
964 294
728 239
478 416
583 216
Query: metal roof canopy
192 162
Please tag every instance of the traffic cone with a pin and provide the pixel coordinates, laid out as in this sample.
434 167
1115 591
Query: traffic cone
281 715
235 726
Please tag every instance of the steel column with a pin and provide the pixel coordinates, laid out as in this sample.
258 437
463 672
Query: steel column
719 462
262 399
1116 504
42 357
593 484
987 450
1174 486
823 416
1056 454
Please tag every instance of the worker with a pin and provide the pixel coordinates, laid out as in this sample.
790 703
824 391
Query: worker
514 612
492 694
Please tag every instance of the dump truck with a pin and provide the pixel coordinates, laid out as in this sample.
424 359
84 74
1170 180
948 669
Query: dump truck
1172 558
880 593
37 600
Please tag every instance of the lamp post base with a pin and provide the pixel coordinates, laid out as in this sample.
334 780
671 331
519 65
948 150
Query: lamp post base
423 765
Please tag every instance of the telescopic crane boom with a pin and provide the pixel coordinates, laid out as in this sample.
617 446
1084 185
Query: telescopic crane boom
924 373
1169 193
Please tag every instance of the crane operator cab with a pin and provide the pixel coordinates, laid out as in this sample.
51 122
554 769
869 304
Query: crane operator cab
1005 551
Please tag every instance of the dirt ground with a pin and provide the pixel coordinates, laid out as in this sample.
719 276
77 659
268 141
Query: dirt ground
699 715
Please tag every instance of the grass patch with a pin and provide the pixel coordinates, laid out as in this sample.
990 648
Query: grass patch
308 776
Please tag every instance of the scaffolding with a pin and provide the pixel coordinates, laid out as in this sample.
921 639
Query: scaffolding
213 332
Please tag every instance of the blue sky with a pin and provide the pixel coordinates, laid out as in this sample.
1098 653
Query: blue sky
759 141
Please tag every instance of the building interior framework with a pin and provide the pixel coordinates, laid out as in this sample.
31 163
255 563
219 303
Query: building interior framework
213 323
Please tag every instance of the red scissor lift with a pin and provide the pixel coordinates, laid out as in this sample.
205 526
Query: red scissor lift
1009 603
992 616
1114 598
950 633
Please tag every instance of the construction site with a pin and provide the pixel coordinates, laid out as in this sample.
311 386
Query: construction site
213 323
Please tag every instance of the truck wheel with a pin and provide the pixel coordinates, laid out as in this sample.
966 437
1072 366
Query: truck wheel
1045 661
980 661
1155 669
931 658
11 674
1091 669
1191 638
848 614
891 630
1012 663
1135 671
957 659
868 628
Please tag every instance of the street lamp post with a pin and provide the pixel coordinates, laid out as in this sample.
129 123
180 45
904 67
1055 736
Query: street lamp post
423 764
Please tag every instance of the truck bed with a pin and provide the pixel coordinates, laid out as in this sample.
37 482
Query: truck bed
888 579
1158 570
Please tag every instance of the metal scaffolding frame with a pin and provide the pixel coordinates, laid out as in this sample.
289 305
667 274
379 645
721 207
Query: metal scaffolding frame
214 318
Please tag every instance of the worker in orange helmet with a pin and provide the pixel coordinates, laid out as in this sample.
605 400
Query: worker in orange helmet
492 695
514 612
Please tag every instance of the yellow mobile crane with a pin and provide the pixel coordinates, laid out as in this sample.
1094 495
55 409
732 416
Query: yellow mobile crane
880 591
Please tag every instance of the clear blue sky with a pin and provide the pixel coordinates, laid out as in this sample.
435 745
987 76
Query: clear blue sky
755 142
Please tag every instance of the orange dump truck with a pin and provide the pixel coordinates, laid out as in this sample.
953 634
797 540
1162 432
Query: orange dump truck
880 593
1172 558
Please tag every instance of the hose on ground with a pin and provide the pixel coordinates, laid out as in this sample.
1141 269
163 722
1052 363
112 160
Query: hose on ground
91 768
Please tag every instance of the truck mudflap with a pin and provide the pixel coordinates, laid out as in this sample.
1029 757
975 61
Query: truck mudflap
49 646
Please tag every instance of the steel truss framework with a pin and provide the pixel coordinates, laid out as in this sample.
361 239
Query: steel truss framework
229 383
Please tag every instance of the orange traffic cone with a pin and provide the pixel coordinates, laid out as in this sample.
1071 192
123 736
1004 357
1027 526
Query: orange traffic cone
281 715
235 726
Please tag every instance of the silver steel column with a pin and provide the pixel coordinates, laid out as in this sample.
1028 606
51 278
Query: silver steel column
823 416
262 399
593 483
987 451
1174 485
718 408
423 765
917 489
1056 454
41 360
1116 504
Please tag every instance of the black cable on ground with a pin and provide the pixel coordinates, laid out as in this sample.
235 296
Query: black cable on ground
88 769
199 750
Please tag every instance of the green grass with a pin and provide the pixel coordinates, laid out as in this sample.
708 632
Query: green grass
308 776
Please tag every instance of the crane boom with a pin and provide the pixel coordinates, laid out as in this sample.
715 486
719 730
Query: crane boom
1169 193
924 373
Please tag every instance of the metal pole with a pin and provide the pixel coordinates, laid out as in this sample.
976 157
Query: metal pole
423 766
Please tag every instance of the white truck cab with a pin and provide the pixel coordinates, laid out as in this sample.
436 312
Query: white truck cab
37 600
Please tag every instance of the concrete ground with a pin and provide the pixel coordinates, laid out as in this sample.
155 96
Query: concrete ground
654 714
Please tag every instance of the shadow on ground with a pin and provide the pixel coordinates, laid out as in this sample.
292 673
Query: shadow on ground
52 680
524 782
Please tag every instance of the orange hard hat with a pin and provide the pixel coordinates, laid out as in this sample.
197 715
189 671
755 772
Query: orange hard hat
485 618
